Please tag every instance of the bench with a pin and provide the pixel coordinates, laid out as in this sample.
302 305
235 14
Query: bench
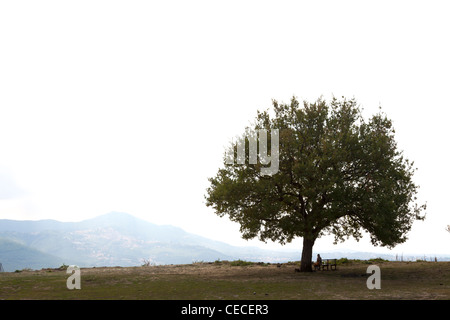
326 263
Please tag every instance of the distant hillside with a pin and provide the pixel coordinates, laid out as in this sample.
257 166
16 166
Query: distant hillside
15 256
114 239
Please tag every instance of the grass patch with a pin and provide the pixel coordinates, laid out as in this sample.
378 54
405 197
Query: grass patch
234 280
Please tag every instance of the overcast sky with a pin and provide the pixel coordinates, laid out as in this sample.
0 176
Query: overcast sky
128 105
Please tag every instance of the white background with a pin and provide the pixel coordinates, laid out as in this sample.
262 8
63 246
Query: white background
127 105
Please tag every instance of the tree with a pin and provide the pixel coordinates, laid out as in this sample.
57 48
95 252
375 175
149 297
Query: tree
338 174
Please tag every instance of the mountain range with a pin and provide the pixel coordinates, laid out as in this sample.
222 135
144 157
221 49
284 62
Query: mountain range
120 239
114 239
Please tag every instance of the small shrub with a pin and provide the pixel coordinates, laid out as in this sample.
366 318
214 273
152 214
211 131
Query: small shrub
240 263
147 263
63 267
377 260
342 261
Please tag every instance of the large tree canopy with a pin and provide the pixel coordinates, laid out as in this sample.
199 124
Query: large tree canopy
338 174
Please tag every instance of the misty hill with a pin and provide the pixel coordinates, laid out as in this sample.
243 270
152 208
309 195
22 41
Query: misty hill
14 255
114 239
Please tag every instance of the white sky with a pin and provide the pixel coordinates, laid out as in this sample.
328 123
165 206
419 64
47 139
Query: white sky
127 105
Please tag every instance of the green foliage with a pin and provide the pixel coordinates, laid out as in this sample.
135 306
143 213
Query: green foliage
345 261
338 174
342 261
241 263
377 260
238 263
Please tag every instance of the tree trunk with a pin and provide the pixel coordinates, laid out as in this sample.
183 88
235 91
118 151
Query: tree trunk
305 265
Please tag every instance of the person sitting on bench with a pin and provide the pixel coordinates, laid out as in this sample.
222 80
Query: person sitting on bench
318 263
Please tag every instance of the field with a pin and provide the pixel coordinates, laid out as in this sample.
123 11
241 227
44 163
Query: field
234 280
